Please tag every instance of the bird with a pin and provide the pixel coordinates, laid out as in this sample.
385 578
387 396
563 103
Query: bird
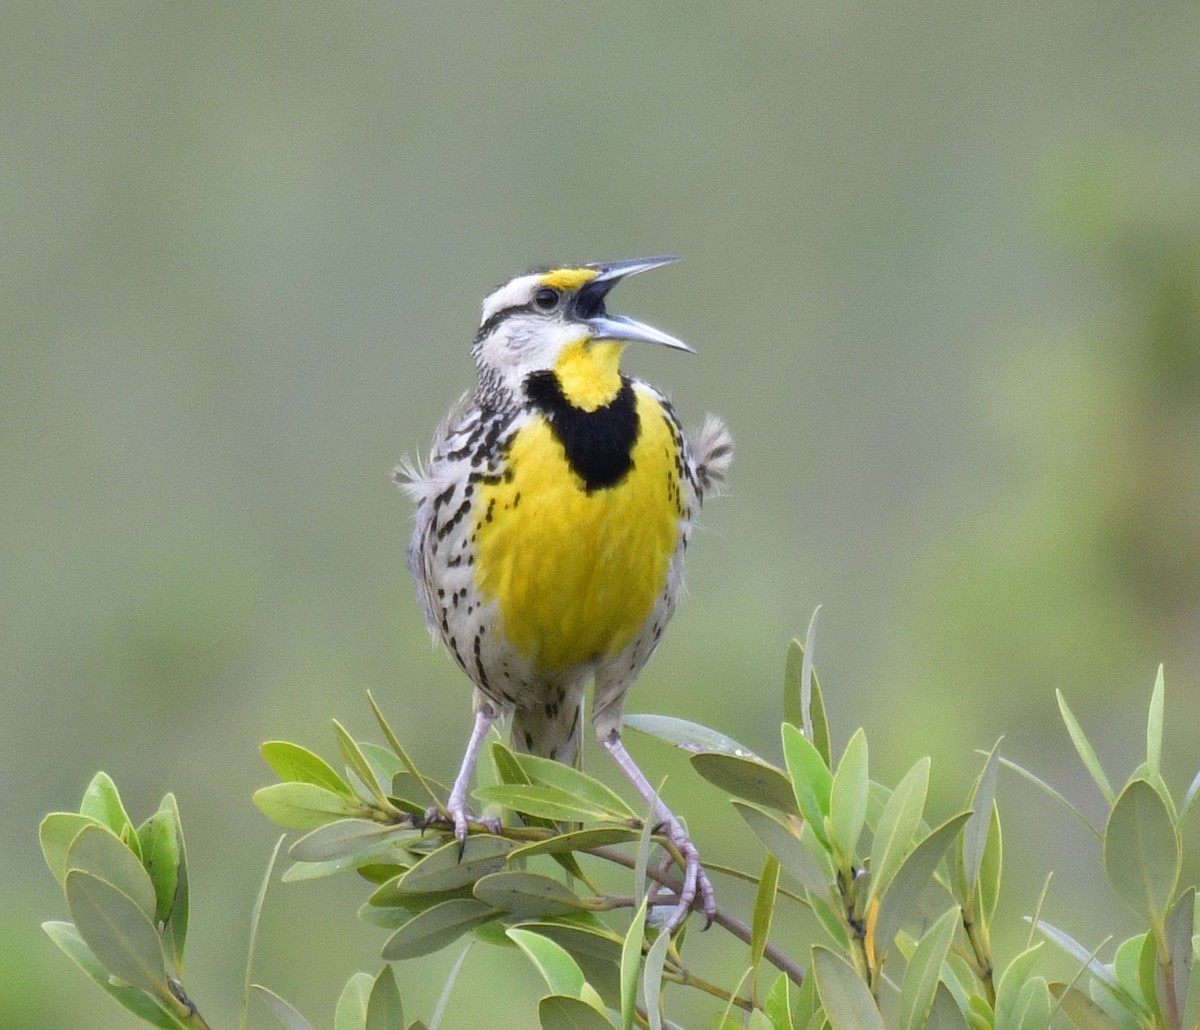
552 514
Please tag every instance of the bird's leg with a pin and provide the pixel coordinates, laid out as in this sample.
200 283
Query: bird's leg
694 878
456 803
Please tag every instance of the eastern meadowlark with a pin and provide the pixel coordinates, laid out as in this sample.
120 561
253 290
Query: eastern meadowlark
552 518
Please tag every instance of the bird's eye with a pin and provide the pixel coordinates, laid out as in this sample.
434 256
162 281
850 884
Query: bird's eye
546 298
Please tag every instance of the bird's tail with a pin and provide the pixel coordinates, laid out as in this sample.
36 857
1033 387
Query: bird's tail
551 731
712 447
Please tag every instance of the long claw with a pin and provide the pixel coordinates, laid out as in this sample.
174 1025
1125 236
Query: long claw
695 880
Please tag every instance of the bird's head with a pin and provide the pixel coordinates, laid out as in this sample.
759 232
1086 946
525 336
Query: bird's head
554 320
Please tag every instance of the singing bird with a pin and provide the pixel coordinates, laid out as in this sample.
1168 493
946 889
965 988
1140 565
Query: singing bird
552 516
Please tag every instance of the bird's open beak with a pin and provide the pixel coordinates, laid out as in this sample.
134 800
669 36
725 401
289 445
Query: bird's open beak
589 305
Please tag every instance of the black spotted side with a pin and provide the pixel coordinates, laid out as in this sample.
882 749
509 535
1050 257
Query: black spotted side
598 444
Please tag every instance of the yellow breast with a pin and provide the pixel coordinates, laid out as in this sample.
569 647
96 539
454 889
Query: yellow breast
575 574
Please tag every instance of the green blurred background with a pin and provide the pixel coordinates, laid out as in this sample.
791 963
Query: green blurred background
942 268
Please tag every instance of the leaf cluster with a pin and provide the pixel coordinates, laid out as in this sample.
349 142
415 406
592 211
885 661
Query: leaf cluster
898 907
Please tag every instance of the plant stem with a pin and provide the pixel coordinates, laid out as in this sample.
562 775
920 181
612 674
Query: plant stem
781 961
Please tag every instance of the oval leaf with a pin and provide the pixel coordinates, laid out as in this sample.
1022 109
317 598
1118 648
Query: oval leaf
561 972
563 1012
349 838
444 869
547 803
924 970
1010 1003
547 772
847 1000
96 850
528 894
781 842
118 932
102 802
159 840
910 880
578 840
296 764
283 1010
897 827
690 736
811 780
848 797
56 833
302 806
384 1010
146 1007
750 780
437 926
1142 851
351 1010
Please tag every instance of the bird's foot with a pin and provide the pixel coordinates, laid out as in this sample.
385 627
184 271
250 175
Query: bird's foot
695 880
460 817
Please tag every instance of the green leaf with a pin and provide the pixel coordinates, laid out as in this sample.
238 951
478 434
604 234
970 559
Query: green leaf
1083 1013
117 931
560 971
145 1006
547 803
945 1013
779 840
811 780
357 762
578 840
360 839
437 926
924 970
102 802
764 911
848 798
975 833
295 764
528 894
1154 729
690 736
631 959
745 778
444 869
820 722
1083 747
549 773
1127 965
1178 932
1142 851
595 947
1012 982
910 880
652 972
989 870
159 840
847 1000
177 925
778 1004
287 1015
564 1012
897 827
793 699
97 851
302 806
384 1010
1147 972
351 1010
56 833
